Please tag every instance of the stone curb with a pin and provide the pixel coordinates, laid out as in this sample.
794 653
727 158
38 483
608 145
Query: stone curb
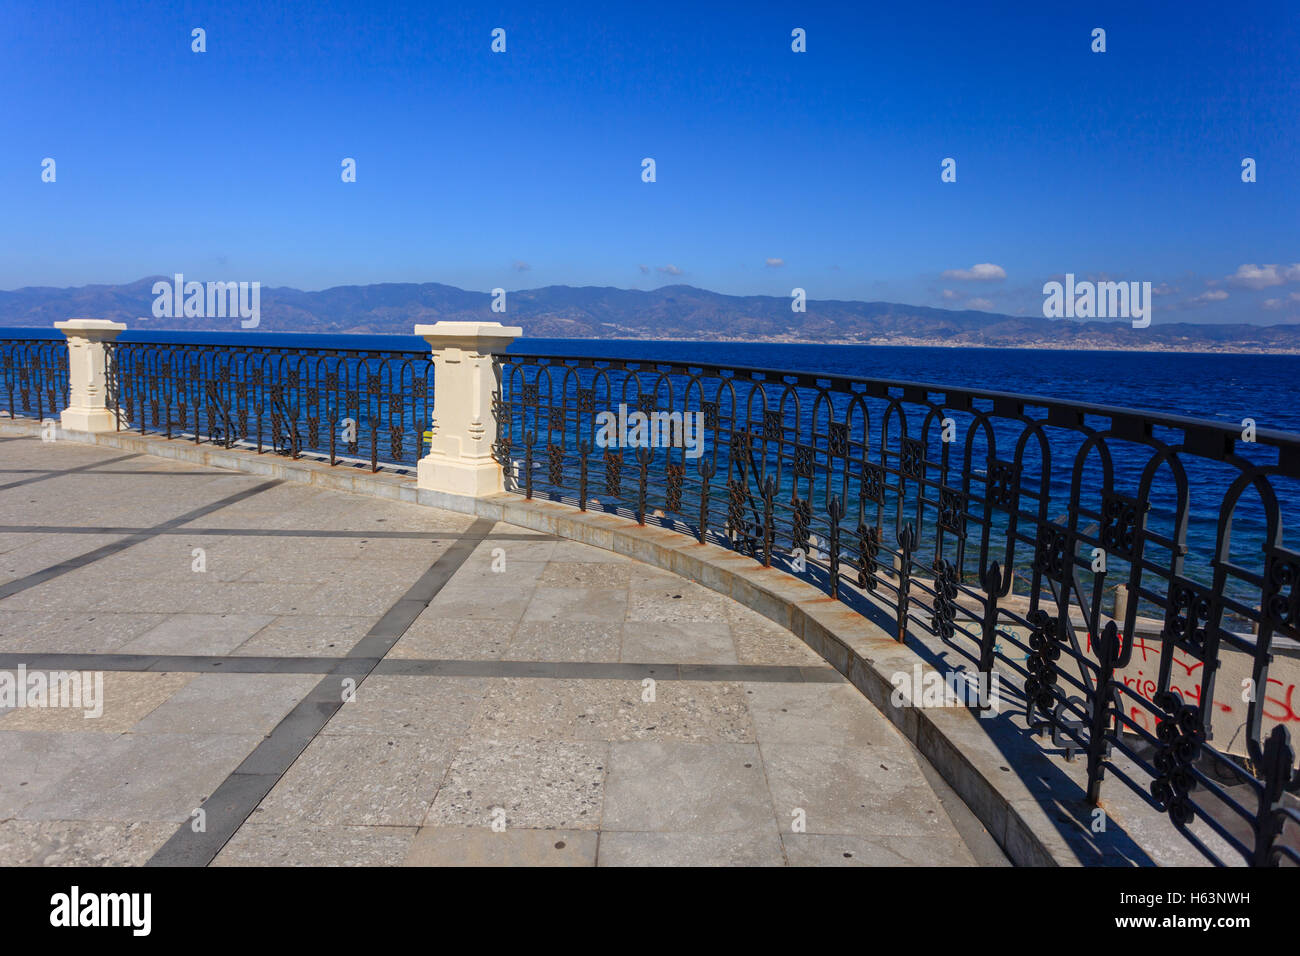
1017 813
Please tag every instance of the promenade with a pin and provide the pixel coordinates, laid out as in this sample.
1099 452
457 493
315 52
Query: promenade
293 675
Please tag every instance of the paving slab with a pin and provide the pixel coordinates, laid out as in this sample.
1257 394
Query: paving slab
360 780
536 784
196 633
124 697
134 777
420 707
80 842
860 790
35 762
228 703
54 630
306 635
820 849
566 640
433 636
513 846
696 642
306 844
760 847
671 786
602 605
596 709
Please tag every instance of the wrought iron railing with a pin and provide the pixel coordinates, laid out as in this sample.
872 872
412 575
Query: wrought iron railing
1044 539
33 377
338 404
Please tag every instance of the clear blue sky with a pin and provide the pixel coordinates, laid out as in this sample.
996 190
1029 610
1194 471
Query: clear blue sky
523 169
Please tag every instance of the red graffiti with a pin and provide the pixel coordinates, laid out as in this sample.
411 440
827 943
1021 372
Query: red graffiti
1281 709
1284 712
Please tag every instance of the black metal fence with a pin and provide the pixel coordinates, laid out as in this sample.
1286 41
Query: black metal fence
344 405
33 377
1029 534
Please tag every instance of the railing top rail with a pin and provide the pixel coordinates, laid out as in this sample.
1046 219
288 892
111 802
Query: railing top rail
305 350
921 391
239 341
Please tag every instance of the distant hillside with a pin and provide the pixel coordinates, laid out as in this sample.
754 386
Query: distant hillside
672 312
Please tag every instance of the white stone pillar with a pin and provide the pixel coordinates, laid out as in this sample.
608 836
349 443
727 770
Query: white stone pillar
464 430
88 409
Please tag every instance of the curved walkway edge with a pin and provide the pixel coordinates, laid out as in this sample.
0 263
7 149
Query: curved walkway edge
1031 801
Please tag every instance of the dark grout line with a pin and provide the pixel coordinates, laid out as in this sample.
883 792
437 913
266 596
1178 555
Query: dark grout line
422 667
273 533
598 670
90 557
240 793
95 474
67 471
134 663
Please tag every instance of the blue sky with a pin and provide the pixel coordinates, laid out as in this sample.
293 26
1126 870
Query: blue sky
775 169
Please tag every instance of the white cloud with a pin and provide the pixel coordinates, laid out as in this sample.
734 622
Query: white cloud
1262 277
645 270
1214 295
982 304
982 272
670 269
950 294
775 263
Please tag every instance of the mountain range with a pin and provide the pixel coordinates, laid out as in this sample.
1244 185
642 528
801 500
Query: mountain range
670 312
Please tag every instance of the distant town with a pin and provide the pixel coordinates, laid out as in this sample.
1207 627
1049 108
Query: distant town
674 312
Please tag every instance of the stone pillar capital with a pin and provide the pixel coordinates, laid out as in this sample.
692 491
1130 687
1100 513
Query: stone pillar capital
481 338
96 330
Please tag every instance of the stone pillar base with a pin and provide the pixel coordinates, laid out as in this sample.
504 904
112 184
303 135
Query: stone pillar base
459 478
87 420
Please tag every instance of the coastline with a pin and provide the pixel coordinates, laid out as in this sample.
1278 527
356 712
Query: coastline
626 335
931 343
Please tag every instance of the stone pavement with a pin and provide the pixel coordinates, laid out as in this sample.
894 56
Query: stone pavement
292 675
